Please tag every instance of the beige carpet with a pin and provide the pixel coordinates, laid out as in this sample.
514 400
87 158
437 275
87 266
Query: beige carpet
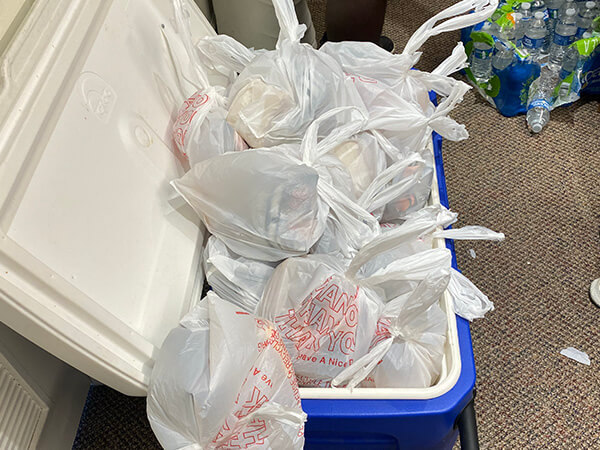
544 193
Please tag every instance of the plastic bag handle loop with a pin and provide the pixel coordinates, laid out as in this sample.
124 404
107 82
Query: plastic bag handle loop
311 150
183 27
394 238
377 194
483 10
226 51
402 312
289 27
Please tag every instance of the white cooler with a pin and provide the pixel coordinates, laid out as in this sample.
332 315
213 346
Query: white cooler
99 257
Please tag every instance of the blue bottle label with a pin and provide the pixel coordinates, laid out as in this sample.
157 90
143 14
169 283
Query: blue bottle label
561 40
533 43
540 102
580 32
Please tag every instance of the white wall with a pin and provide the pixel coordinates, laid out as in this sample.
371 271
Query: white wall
61 386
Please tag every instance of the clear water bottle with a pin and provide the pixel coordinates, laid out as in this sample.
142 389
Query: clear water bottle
481 62
503 56
564 35
569 62
585 17
567 4
535 35
540 98
553 8
519 29
538 5
526 15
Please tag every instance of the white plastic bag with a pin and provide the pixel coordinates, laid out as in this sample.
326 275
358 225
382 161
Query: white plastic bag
402 188
411 237
280 92
325 318
266 204
408 347
233 277
200 129
226 55
402 256
327 311
468 301
416 234
397 97
409 128
363 157
223 379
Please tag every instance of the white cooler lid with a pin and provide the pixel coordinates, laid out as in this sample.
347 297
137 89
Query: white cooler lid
99 258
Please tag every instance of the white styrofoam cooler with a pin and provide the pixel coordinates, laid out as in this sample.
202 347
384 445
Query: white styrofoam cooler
99 258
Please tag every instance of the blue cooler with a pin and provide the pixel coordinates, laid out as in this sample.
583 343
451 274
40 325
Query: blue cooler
426 423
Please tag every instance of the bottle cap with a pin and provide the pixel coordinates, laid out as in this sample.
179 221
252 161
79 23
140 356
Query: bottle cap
539 15
517 16
587 35
570 12
590 5
525 5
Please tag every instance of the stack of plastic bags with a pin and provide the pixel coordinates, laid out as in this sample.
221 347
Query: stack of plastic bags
312 170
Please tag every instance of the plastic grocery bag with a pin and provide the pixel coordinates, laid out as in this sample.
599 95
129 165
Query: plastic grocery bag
364 158
280 92
402 256
200 130
325 318
408 347
404 187
267 204
395 192
416 235
409 129
223 379
233 277
413 236
225 55
381 77
327 311
468 301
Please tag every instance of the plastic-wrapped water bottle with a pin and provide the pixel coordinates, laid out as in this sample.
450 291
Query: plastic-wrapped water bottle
481 62
540 98
553 8
535 35
519 29
526 15
585 17
538 5
567 4
503 56
569 62
564 35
